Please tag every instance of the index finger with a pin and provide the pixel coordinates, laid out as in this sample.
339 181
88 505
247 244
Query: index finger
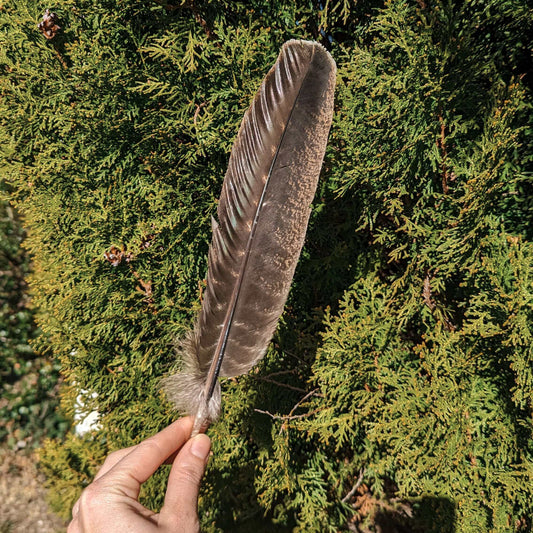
145 458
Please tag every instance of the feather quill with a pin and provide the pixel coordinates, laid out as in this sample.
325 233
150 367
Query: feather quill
263 213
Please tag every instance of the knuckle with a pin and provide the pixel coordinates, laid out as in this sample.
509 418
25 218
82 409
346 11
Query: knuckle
150 446
180 520
190 521
73 527
112 457
190 475
92 497
106 464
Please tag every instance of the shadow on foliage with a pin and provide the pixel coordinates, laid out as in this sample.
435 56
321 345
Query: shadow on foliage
236 496
426 515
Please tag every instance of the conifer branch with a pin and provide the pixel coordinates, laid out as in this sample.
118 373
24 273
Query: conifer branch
189 4
430 302
441 143
447 176
116 256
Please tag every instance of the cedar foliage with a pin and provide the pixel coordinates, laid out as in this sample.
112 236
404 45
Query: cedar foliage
398 388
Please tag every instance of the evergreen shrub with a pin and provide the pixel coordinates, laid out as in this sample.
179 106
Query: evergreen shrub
28 381
398 387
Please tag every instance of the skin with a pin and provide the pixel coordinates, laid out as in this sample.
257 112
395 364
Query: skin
110 503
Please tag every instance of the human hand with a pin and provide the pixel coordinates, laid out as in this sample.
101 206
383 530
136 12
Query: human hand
109 504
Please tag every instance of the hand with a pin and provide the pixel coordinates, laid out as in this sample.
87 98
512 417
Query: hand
109 504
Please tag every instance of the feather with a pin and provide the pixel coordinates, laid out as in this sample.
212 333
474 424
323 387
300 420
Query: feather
263 213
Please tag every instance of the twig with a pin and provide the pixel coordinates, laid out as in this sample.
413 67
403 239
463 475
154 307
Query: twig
287 417
198 107
296 357
355 487
426 292
287 386
291 416
430 302
308 395
441 144
281 373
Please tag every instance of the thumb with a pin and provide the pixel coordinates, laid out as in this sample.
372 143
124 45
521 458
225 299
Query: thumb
180 509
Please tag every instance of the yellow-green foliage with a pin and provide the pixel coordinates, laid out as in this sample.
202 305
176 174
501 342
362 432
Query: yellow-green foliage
398 387
71 465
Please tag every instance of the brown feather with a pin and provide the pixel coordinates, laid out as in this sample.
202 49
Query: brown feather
263 213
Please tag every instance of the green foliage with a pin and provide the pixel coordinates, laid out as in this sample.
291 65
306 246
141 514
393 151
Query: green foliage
398 388
71 465
28 382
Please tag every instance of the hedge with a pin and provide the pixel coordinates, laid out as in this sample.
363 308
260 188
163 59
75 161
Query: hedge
398 387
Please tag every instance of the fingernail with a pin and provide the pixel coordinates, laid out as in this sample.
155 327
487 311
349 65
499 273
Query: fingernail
201 444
